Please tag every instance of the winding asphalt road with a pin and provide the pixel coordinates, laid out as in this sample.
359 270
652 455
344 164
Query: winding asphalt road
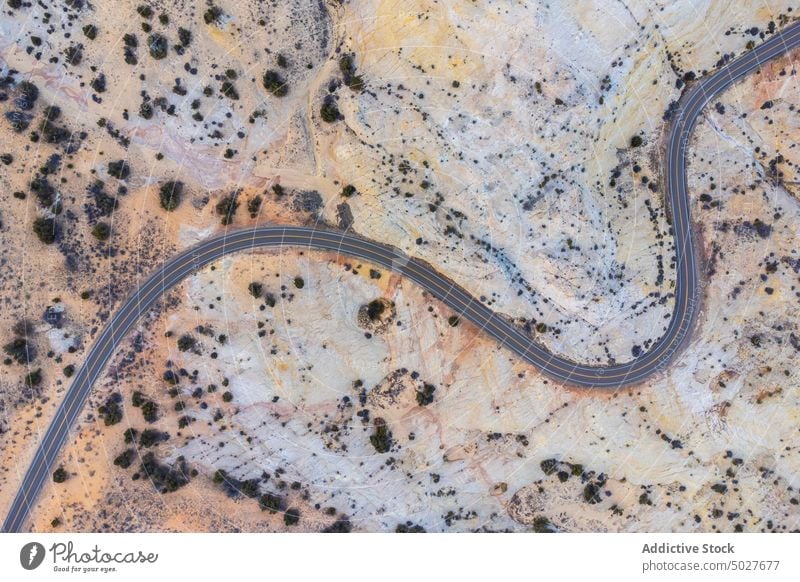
687 288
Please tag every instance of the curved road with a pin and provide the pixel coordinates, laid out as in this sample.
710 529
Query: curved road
687 289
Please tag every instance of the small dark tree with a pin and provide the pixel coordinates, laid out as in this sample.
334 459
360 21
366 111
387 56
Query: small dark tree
150 411
125 458
292 516
119 169
157 45
60 475
186 342
20 350
256 289
329 111
425 394
226 208
101 231
636 141
46 229
381 438
275 83
170 195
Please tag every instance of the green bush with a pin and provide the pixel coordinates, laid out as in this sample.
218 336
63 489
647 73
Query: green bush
120 169
157 44
186 342
60 475
111 411
170 195
22 351
229 90
151 436
381 438
46 229
226 208
292 516
150 411
101 231
275 83
329 111
125 458
256 289
184 36
34 378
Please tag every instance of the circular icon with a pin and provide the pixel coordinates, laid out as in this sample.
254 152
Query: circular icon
31 555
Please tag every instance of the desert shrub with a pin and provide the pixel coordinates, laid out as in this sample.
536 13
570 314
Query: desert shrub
170 195
60 475
19 349
347 66
150 411
549 466
144 11
226 208
270 502
184 36
329 111
73 54
46 229
157 45
101 231
375 309
130 435
19 120
34 378
137 398
299 283
28 94
229 90
111 411
212 15
151 436
409 527
636 141
381 438
125 458
425 395
348 191
254 206
90 31
120 169
99 83
275 83
186 342
256 289
542 525
292 516
227 396
165 478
